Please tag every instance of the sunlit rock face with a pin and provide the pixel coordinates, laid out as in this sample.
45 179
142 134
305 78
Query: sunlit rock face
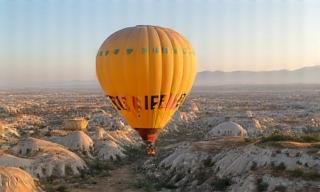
7 132
8 160
76 124
186 117
186 114
251 125
227 129
110 150
43 158
26 121
194 107
191 106
314 122
16 180
76 141
98 134
112 145
58 133
249 114
127 137
106 120
8 136
8 110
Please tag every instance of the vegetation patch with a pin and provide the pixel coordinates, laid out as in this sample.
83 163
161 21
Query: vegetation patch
282 137
51 187
221 184
146 185
62 188
307 175
208 162
278 169
202 176
261 186
280 188
134 153
150 185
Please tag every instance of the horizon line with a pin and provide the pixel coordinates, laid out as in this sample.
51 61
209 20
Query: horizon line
276 70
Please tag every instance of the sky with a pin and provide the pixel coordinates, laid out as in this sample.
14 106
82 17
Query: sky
57 40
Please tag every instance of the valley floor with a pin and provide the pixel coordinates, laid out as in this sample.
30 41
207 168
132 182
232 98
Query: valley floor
124 178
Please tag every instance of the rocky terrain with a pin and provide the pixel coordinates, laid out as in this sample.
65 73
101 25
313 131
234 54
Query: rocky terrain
234 164
222 139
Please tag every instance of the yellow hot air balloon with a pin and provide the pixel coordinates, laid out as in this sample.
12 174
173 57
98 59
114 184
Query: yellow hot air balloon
146 71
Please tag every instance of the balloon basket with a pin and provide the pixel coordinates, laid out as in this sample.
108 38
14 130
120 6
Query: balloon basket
151 150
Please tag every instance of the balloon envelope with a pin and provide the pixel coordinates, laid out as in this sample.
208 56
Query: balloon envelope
147 72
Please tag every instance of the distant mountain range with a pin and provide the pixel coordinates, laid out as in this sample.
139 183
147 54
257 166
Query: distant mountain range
306 75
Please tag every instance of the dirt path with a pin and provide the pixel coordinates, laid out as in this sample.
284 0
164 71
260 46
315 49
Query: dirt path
122 179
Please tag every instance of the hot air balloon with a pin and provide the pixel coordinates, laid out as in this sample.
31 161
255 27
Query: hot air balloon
146 71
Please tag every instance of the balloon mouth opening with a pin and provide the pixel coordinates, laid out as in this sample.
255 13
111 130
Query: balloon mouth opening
149 136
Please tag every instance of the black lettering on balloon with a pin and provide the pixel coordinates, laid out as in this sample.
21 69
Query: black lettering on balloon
161 101
153 101
144 50
121 106
113 101
146 102
129 51
180 100
156 101
124 101
116 51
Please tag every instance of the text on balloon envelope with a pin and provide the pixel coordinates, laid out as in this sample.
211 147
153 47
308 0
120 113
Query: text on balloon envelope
147 102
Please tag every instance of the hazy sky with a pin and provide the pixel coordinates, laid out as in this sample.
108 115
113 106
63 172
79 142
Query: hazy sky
53 40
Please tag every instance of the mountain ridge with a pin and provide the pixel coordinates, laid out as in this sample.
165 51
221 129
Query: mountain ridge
305 75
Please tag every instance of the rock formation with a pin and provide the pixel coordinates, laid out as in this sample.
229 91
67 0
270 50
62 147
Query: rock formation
76 141
13 179
43 158
228 129
76 124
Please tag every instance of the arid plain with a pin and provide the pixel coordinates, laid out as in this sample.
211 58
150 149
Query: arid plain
223 138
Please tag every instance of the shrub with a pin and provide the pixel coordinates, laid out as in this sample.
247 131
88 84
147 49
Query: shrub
135 153
207 162
280 188
202 176
254 166
62 188
296 173
261 186
280 167
312 175
310 138
179 176
276 137
221 184
145 185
